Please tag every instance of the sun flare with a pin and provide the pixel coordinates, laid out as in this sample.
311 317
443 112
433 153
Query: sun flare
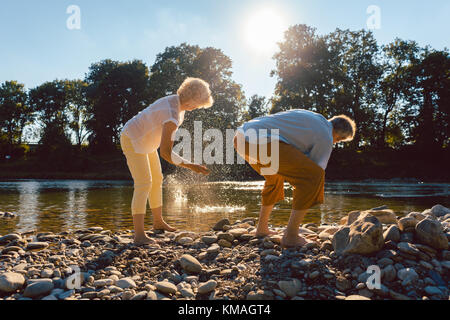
264 29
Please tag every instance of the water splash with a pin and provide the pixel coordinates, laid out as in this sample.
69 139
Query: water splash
220 209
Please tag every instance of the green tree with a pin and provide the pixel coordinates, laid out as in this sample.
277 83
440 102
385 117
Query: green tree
49 101
116 92
357 80
78 109
15 111
175 64
428 108
258 106
398 58
305 72
333 74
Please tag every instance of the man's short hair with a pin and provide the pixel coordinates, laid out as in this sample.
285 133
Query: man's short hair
344 127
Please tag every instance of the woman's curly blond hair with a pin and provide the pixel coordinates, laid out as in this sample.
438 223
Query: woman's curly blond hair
197 91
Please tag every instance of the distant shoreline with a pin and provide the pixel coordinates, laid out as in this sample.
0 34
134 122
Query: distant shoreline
127 177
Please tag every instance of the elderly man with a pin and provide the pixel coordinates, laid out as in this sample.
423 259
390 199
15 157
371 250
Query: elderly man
301 143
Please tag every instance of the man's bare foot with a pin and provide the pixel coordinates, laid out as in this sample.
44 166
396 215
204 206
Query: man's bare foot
263 233
294 242
163 226
143 240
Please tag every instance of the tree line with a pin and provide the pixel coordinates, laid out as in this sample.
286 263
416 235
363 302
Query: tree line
397 93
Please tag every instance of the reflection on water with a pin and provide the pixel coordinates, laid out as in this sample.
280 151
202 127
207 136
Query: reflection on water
58 205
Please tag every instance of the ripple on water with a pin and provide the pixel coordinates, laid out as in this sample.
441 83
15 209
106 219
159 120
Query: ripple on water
55 206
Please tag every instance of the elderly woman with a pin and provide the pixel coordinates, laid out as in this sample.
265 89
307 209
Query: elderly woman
141 137
305 141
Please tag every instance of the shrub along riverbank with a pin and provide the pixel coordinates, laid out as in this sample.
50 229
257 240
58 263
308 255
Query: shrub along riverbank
407 163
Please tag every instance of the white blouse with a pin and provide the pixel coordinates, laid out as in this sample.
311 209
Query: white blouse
145 129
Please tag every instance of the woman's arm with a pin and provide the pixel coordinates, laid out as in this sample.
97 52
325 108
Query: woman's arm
167 141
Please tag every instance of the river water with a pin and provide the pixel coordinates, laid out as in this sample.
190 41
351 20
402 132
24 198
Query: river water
63 205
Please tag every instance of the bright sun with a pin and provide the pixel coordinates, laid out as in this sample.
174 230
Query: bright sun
263 30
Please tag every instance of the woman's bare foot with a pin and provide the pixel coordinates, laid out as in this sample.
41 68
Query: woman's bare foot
293 241
142 240
163 226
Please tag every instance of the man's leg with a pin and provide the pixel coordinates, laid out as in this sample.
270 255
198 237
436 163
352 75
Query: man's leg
291 237
263 223
272 193
307 178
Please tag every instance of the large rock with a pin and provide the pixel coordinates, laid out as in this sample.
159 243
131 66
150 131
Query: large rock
11 282
9 238
207 287
352 217
408 248
417 215
38 288
126 283
407 224
190 264
224 243
385 216
343 284
185 241
328 232
237 232
392 234
185 234
166 287
36 245
438 211
431 233
225 236
340 240
389 273
364 236
290 288
222 223
408 276
209 239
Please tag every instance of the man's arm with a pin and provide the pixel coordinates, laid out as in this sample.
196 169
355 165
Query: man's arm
321 153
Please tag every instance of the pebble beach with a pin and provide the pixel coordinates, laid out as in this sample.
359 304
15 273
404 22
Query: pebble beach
229 263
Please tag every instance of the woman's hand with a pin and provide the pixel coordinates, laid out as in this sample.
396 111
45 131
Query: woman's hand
199 168
168 133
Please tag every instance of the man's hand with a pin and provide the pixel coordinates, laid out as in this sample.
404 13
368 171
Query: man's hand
198 168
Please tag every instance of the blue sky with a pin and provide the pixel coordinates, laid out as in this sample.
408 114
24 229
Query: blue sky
36 45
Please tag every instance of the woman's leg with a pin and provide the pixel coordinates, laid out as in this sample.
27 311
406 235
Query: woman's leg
155 197
140 171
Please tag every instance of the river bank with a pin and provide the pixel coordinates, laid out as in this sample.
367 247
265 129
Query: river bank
345 164
229 263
